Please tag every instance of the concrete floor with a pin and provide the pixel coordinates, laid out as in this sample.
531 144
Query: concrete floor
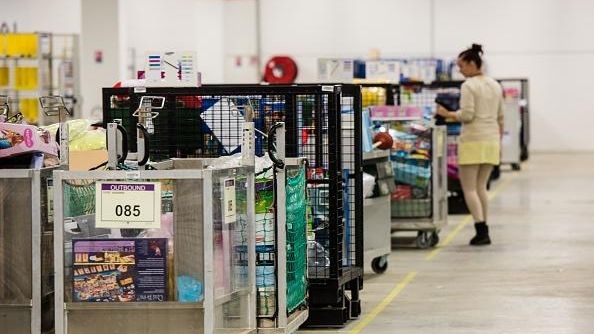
537 277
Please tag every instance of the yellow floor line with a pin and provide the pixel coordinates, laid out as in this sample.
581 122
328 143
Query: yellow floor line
467 219
384 303
448 239
411 275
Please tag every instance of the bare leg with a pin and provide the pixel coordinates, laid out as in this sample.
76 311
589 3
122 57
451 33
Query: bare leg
469 175
484 175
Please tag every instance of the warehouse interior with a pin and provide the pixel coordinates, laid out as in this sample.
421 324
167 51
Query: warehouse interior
276 166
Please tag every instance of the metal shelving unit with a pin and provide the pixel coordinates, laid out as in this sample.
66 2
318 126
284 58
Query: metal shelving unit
39 64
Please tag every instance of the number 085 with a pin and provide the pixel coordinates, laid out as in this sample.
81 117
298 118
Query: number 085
127 210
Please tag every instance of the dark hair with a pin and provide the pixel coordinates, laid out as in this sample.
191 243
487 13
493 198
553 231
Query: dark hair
473 54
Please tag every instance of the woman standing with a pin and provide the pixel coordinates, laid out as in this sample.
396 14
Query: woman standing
481 115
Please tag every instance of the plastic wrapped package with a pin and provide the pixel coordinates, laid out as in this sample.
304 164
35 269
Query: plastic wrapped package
368 185
263 165
317 255
417 176
83 136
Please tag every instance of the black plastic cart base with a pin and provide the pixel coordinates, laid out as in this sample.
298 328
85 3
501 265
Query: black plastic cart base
330 306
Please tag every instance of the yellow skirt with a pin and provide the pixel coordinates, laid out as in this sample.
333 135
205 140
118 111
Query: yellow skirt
475 153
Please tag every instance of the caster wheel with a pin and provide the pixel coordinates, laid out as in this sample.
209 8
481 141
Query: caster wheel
423 239
434 238
379 264
516 167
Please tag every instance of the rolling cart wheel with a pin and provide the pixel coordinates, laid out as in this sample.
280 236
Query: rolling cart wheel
380 264
434 238
424 239
516 167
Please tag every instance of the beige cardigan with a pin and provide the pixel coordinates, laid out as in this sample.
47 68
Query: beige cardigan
481 109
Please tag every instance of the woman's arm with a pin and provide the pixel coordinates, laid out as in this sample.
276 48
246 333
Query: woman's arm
443 112
466 112
500 113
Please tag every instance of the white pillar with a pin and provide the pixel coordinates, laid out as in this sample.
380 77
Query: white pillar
101 35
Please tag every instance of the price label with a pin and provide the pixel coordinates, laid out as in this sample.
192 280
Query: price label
128 205
229 200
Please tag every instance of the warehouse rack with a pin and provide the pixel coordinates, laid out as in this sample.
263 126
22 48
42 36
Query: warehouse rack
39 64
26 263
313 124
187 265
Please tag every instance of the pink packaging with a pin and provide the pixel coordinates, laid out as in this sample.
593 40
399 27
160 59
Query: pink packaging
17 139
385 111
412 111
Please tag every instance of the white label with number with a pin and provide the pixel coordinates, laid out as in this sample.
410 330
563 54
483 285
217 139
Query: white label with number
229 200
128 205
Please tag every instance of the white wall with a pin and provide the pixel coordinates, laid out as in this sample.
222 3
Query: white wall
57 16
193 25
177 25
547 41
240 37
309 29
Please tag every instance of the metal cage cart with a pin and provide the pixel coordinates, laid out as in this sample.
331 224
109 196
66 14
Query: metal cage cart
155 251
211 119
423 96
332 144
419 202
204 122
26 263
377 211
516 136
288 186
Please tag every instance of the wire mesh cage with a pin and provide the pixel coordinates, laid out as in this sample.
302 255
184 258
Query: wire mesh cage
336 256
411 161
190 270
197 122
207 122
423 96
